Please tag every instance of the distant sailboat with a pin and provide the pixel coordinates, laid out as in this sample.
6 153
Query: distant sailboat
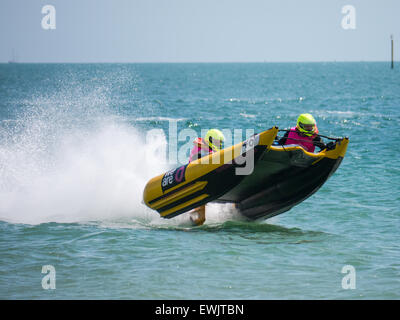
13 57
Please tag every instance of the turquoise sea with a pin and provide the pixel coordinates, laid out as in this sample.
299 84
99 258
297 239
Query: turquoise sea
75 154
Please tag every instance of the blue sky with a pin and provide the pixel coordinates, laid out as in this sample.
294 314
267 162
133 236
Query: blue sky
198 31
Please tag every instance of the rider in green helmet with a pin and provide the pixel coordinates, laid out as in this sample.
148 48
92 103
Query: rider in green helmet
304 134
212 142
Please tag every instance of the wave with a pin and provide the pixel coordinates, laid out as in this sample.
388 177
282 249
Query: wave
67 158
158 119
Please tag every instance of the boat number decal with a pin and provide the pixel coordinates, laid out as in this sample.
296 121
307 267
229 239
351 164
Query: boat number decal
173 177
250 143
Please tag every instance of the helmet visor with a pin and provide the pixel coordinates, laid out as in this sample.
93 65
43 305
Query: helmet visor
219 144
309 128
216 144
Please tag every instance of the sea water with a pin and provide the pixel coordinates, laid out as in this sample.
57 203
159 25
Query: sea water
75 156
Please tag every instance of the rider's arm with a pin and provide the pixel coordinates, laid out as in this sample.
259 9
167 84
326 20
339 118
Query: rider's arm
318 142
282 140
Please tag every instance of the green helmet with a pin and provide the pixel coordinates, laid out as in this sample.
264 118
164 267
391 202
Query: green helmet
306 124
215 138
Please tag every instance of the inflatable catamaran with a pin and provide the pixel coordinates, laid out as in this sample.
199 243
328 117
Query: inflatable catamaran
262 179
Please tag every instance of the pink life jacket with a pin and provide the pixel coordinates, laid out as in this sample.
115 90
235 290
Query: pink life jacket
199 147
303 141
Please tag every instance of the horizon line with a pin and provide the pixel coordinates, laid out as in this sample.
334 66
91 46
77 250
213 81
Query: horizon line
188 62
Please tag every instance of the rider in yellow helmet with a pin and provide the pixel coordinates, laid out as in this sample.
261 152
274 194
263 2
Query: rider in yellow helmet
304 134
212 142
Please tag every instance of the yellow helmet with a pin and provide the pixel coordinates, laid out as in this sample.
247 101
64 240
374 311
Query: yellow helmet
215 138
306 124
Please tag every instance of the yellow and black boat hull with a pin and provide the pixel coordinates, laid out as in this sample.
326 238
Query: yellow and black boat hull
283 176
205 179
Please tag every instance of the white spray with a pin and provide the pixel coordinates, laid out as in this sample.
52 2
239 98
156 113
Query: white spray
69 160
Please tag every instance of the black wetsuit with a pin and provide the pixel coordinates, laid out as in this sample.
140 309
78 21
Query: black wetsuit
317 141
